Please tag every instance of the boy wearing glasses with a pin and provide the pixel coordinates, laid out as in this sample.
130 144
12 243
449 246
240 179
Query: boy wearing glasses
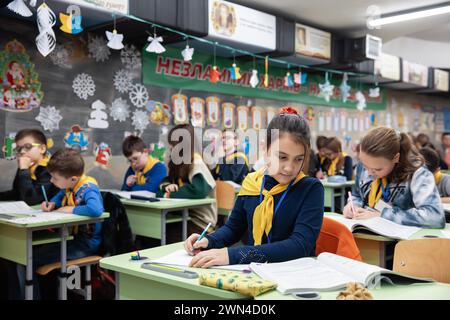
145 172
32 173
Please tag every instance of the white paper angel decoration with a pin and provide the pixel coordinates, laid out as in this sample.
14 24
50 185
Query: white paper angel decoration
155 44
254 79
114 40
19 7
374 92
187 53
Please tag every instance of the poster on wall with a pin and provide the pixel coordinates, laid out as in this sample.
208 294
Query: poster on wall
415 73
20 87
242 117
441 80
213 111
312 42
228 115
257 118
240 24
197 112
388 66
159 112
180 109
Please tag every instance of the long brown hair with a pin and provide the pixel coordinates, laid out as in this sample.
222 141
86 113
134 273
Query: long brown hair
386 142
181 171
335 145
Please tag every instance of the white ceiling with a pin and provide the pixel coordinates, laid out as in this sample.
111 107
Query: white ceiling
348 17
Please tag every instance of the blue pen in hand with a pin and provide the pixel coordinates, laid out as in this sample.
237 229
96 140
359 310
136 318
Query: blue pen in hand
45 196
203 233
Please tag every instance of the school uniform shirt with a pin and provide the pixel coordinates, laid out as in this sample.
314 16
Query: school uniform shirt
295 226
200 184
233 168
27 185
415 202
148 178
87 199
443 185
346 170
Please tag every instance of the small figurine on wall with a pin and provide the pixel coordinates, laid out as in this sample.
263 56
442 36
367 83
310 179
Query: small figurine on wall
102 154
8 147
77 139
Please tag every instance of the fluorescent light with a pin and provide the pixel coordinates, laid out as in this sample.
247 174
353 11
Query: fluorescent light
409 16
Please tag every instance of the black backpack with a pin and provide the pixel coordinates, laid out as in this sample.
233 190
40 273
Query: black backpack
116 232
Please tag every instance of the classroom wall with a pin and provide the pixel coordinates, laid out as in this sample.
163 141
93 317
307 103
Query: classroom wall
407 112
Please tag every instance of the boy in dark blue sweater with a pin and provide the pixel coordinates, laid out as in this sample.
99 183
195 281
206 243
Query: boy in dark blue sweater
280 207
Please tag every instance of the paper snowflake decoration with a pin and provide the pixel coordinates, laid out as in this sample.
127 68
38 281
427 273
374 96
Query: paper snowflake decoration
139 95
60 57
49 118
345 88
98 49
326 89
140 120
123 80
130 57
120 110
83 86
361 105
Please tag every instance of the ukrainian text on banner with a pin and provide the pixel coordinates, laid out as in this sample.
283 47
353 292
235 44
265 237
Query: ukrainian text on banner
169 70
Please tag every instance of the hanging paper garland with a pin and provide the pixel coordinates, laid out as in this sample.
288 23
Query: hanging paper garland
242 117
155 45
19 7
345 88
326 89
213 111
228 115
103 154
49 117
180 109
257 118
46 19
197 112
71 22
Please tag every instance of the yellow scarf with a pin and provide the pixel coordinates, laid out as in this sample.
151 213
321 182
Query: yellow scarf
263 215
438 177
376 192
321 159
42 163
331 171
231 157
69 197
140 175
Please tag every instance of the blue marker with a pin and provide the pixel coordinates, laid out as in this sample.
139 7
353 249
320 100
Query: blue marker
45 195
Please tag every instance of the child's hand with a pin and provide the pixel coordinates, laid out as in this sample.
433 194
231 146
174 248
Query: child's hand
366 214
320 175
172 188
66 209
192 247
24 163
50 206
131 181
209 258
348 213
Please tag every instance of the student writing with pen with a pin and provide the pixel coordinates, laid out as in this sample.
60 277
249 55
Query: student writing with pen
279 206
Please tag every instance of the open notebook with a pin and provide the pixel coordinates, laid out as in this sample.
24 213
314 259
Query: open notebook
329 272
21 213
379 226
128 194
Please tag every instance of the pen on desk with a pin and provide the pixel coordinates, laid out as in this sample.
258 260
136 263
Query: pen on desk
350 200
203 233
45 195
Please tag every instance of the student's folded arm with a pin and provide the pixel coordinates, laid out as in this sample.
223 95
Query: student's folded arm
93 206
57 199
198 189
125 187
300 243
233 230
156 174
32 193
428 211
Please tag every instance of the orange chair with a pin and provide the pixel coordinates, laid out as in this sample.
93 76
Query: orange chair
334 237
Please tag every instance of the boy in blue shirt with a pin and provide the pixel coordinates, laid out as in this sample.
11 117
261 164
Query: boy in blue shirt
145 172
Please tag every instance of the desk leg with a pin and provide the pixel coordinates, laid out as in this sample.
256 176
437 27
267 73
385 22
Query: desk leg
63 272
332 200
342 199
117 296
382 245
184 223
29 267
163 227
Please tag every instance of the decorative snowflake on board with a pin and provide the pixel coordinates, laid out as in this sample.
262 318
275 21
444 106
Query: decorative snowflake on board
60 57
130 57
123 80
120 110
140 120
138 95
361 99
83 86
98 49
49 118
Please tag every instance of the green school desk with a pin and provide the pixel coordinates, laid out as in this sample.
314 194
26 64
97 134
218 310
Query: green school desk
335 189
16 242
149 219
135 283
373 247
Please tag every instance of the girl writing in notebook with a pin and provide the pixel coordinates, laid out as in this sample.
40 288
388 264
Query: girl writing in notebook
393 182
280 207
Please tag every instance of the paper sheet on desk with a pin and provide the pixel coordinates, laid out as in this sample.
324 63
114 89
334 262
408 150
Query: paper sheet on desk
19 207
128 194
182 258
446 233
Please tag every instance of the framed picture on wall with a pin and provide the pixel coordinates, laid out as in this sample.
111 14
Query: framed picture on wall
197 112
257 118
242 117
213 111
228 115
180 109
